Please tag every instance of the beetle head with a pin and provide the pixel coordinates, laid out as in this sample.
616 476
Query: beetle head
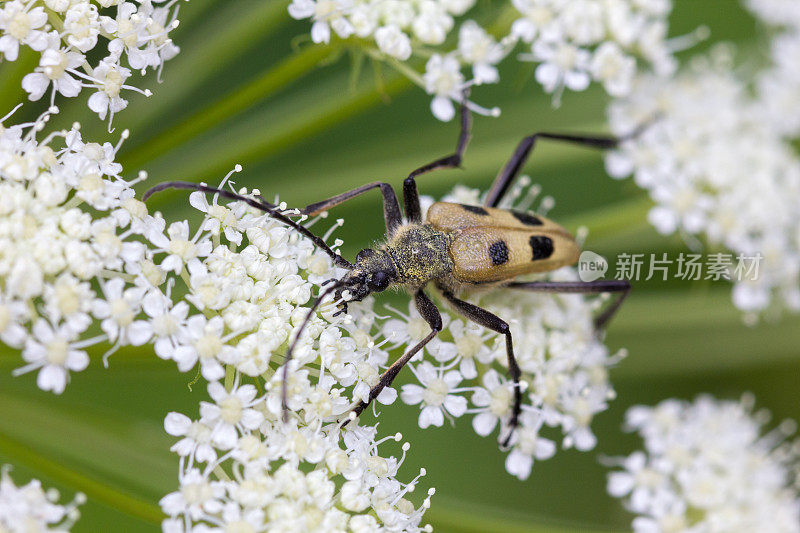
373 271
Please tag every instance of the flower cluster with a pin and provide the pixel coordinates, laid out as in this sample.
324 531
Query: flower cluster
79 251
573 42
719 169
249 280
581 41
778 13
67 32
564 365
31 508
778 85
708 467
244 469
65 235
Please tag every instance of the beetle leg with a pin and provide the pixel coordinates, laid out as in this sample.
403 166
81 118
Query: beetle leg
410 193
268 208
488 320
391 207
432 316
514 165
620 286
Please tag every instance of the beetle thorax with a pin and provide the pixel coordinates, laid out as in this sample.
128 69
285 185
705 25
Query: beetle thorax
420 254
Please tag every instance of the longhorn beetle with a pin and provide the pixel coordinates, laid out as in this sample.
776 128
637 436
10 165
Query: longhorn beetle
457 247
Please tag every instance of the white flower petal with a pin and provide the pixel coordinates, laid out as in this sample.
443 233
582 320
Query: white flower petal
431 416
484 423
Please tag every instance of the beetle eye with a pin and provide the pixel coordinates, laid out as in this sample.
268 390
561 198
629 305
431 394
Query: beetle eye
379 281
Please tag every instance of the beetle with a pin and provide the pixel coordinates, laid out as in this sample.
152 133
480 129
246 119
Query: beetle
456 248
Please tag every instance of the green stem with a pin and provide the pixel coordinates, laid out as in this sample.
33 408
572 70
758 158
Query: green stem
257 90
54 19
221 474
94 490
111 274
399 66
75 201
230 377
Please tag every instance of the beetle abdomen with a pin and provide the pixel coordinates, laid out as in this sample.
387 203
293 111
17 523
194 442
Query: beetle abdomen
485 254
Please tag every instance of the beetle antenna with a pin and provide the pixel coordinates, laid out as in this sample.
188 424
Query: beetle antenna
306 320
267 208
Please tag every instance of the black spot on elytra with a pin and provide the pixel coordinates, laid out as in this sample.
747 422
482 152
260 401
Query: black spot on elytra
498 253
541 246
475 209
527 218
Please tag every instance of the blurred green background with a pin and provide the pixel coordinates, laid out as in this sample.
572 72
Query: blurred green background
245 89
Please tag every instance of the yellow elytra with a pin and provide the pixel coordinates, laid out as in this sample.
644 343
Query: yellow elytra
491 245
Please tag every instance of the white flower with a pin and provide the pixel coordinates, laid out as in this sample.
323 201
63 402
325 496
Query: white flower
19 23
82 25
119 310
12 314
562 65
326 14
167 321
54 67
613 68
32 508
479 49
583 21
52 350
203 341
436 395
219 218
196 497
110 80
70 300
775 12
393 41
182 249
537 21
231 411
457 7
706 466
444 80
528 445
364 18
469 341
132 30
398 12
432 22
196 441
494 402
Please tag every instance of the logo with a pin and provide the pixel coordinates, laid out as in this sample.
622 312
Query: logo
591 266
